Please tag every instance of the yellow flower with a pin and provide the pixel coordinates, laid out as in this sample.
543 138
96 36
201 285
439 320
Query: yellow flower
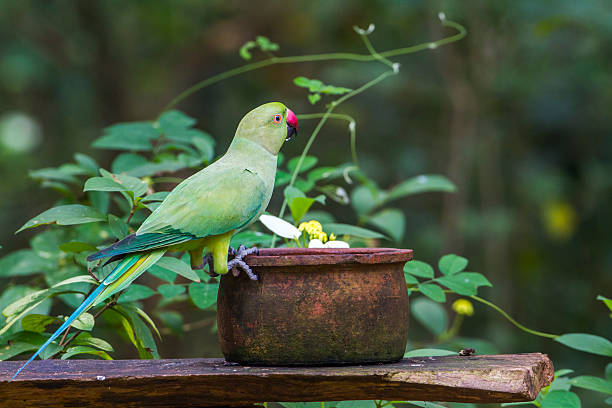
332 237
313 228
463 307
560 220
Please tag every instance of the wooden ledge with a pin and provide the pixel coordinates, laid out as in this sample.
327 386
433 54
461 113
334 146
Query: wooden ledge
213 382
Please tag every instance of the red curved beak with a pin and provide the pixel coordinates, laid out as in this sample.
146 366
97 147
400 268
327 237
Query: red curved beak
292 124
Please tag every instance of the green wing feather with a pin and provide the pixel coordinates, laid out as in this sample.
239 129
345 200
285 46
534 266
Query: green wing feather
214 201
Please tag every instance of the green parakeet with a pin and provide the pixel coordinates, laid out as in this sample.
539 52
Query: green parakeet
203 212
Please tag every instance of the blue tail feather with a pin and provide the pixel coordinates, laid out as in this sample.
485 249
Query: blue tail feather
82 308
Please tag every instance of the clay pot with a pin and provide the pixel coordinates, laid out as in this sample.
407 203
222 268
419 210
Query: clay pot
316 307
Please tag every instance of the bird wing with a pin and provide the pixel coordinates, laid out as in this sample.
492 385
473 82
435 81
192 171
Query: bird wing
208 203
211 203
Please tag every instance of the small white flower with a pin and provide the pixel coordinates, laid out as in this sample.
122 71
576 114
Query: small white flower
280 227
361 31
316 243
442 16
336 244
343 195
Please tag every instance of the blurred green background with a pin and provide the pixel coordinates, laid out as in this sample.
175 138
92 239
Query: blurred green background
517 115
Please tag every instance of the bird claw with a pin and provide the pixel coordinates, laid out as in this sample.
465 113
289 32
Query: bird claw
237 264
208 260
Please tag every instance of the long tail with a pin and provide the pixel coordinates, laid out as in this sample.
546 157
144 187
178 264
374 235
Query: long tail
129 269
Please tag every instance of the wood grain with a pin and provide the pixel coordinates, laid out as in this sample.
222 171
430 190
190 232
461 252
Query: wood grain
213 382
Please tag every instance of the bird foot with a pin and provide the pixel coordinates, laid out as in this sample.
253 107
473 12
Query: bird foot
237 264
207 260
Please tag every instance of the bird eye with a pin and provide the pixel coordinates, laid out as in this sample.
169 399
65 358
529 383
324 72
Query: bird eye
278 118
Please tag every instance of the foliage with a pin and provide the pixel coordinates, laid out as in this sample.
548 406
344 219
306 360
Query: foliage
98 205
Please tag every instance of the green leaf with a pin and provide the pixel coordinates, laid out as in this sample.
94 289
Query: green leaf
138 332
563 372
70 214
84 322
430 314
391 220
592 383
15 348
316 86
364 199
36 322
87 163
282 177
22 262
426 352
561 399
170 291
178 266
116 182
77 247
244 50
451 263
85 339
22 342
587 342
609 372
99 200
136 292
53 174
163 274
314 98
418 268
410 280
346 229
128 136
118 227
334 90
265 44
76 350
144 317
203 295
308 163
158 196
464 283
433 292
421 184
19 308
607 302
298 203
125 162
174 120
250 238
205 145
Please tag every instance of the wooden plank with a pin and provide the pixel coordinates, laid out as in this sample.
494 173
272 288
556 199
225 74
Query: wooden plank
213 382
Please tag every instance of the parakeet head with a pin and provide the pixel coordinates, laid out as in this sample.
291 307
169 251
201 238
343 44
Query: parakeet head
268 125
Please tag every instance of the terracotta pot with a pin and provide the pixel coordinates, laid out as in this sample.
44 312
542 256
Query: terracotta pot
316 307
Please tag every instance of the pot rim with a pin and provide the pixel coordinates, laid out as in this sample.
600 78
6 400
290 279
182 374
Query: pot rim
327 256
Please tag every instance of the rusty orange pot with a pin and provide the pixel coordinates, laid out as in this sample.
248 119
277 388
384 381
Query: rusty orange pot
316 307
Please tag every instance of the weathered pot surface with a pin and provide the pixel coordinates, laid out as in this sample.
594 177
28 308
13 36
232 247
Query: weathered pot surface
316 307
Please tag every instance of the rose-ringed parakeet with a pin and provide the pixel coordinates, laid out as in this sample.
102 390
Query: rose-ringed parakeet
203 212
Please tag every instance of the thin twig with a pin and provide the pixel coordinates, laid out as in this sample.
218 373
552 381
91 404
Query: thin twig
319 57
